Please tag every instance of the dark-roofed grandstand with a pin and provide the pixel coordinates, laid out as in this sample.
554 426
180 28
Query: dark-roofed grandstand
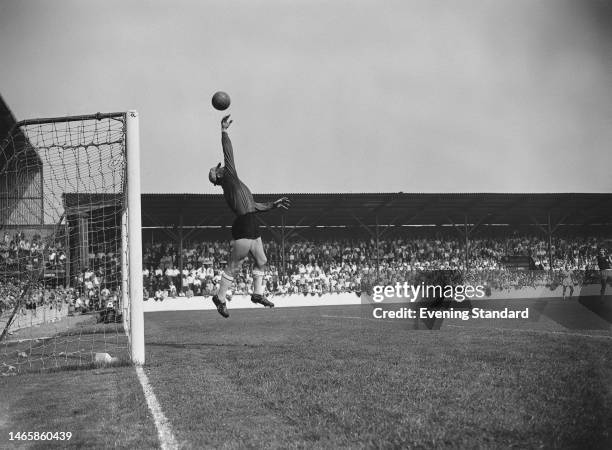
333 242
390 209
337 242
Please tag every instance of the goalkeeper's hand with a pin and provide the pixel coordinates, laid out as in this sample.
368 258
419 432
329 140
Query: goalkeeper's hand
226 122
282 202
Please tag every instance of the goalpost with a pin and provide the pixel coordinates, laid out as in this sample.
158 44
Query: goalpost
71 287
135 330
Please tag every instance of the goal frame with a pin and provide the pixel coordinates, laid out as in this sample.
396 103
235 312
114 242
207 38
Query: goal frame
134 230
131 260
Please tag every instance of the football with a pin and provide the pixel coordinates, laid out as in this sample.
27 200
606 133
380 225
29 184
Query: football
220 100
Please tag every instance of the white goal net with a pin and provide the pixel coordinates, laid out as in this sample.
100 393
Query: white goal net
70 269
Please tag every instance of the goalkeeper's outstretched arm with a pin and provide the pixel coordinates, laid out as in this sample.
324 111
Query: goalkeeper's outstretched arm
282 202
228 151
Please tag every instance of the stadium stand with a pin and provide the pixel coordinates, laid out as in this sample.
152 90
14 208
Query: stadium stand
332 243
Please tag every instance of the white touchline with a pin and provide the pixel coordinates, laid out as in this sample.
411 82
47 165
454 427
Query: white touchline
164 431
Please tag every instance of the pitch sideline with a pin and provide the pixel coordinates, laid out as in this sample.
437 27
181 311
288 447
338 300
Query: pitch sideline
164 430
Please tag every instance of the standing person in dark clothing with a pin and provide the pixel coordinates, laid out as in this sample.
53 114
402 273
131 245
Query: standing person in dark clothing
604 261
246 239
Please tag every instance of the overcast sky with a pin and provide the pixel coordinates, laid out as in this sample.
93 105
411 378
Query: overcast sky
332 96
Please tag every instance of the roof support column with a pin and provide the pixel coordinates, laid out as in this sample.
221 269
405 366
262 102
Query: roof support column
550 257
68 281
83 236
180 250
283 265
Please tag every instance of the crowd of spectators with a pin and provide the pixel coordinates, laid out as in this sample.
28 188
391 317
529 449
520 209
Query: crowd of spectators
19 253
38 295
24 261
316 267
310 266
87 296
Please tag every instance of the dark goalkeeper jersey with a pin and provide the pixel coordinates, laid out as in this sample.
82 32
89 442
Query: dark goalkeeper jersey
236 193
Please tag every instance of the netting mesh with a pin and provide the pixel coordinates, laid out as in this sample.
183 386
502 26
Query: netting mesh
63 267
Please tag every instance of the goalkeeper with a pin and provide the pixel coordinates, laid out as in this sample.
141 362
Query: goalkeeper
245 229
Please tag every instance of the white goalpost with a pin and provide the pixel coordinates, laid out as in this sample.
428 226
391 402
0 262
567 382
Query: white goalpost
71 287
136 328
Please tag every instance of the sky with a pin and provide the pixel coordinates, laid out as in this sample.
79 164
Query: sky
332 96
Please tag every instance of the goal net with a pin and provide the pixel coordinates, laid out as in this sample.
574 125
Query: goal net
70 243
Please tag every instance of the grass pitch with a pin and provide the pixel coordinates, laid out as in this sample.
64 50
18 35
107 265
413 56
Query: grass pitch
328 377
102 408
